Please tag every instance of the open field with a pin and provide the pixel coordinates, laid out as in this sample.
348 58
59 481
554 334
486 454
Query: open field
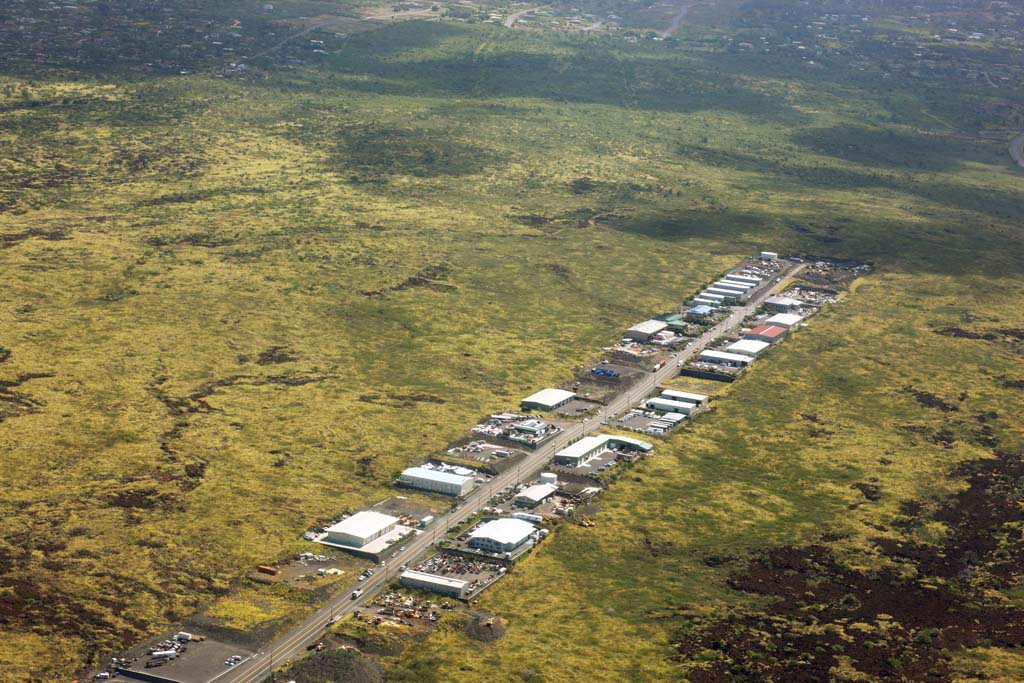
237 302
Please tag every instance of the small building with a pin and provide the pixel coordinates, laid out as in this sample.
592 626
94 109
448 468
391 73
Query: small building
501 535
437 481
645 330
534 495
699 312
769 256
455 588
709 303
547 399
748 347
577 454
782 304
786 320
675 321
723 358
686 396
668 405
748 279
767 333
361 528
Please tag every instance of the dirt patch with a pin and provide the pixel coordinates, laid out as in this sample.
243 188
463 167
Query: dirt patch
50 235
400 400
14 403
485 627
333 665
870 491
5 355
429 277
1012 383
895 622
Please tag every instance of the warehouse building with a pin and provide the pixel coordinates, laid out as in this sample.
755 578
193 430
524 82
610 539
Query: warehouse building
579 453
725 293
740 287
547 399
723 358
719 298
782 304
645 330
455 588
685 396
769 256
746 279
767 333
748 347
704 301
786 320
534 495
360 529
501 535
668 405
437 481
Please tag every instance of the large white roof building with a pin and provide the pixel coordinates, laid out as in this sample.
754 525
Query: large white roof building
448 483
646 329
501 535
723 358
535 495
748 347
361 528
548 399
586 448
684 396
444 585
784 319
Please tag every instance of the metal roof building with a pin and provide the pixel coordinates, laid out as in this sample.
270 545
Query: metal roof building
700 310
748 347
361 528
667 405
501 535
727 293
767 333
535 495
736 277
547 399
444 585
723 358
782 304
709 303
685 396
586 448
426 479
786 320
645 330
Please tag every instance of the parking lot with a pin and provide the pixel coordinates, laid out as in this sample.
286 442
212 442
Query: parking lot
200 663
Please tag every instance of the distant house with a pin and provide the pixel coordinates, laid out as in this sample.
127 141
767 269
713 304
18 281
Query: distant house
782 304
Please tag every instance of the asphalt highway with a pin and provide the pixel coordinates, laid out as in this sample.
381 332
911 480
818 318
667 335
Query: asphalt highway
294 642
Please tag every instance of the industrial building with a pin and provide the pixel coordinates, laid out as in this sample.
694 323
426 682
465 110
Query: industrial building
723 358
533 427
748 347
782 304
704 301
767 333
547 399
645 330
685 396
577 454
360 529
769 256
725 293
698 312
741 287
786 320
438 481
455 588
668 405
534 495
748 279
501 535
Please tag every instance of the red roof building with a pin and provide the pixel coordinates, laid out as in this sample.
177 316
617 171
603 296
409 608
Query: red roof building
767 333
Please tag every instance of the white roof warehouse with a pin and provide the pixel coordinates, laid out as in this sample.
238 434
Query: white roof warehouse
501 535
588 447
548 399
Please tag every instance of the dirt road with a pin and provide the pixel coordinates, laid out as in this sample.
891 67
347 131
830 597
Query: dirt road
677 20
510 20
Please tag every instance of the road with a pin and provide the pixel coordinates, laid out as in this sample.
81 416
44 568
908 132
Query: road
677 20
295 640
1017 149
510 20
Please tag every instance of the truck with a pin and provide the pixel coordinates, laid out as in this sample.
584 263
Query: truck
658 366
165 654
264 569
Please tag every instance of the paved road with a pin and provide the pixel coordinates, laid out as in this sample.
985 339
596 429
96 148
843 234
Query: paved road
295 640
1017 149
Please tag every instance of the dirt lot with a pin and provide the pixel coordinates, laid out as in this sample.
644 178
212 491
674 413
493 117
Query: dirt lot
199 664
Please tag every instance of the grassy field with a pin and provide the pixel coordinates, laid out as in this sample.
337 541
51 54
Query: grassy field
233 306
